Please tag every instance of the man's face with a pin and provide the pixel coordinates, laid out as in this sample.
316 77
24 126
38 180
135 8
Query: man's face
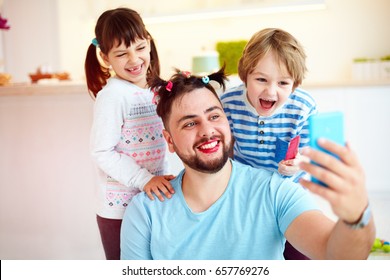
199 131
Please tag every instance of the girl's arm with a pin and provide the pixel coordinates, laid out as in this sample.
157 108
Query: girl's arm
105 135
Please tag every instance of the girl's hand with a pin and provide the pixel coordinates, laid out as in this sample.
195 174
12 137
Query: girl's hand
158 185
291 166
346 191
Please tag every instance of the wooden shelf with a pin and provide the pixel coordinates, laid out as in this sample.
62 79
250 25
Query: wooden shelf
349 83
80 87
235 80
62 87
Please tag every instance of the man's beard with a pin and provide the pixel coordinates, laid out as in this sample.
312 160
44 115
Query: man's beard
207 166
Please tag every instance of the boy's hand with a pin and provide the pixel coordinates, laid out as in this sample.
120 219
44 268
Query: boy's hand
158 185
291 166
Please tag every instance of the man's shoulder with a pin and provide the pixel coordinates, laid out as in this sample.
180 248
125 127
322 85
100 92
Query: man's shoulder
142 199
258 175
248 172
242 167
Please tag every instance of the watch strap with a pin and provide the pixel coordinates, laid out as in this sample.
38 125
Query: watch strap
363 220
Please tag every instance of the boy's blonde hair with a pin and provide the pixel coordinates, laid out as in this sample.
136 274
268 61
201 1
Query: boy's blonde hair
287 49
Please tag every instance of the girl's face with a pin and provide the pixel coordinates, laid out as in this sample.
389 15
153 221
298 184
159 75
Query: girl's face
269 85
130 63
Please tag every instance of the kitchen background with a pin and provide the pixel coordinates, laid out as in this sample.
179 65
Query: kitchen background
57 33
47 178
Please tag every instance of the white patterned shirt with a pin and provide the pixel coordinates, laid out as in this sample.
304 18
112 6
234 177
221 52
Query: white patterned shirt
127 144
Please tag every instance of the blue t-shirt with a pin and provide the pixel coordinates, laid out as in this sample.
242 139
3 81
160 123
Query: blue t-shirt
247 222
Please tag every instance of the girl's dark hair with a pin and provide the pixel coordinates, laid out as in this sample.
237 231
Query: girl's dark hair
121 25
181 83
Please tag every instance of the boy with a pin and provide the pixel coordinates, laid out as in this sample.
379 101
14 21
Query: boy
268 112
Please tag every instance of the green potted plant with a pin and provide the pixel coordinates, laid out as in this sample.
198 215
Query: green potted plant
229 53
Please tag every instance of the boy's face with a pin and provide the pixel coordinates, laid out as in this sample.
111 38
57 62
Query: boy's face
269 85
199 131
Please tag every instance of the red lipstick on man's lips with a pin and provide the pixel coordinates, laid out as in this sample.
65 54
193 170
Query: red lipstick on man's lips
210 146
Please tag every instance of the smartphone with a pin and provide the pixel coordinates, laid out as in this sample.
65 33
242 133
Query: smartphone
328 125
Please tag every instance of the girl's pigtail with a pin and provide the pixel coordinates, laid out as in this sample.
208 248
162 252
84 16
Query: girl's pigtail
156 83
154 68
96 75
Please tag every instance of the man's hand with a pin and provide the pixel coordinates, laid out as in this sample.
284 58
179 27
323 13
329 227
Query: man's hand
346 191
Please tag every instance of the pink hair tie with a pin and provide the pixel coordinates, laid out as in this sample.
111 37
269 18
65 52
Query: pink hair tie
168 87
186 74
156 97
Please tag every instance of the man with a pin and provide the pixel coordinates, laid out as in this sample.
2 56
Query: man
222 209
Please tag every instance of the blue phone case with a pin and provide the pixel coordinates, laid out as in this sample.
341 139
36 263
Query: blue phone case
329 125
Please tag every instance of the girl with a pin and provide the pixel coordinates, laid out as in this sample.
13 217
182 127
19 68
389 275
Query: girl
127 144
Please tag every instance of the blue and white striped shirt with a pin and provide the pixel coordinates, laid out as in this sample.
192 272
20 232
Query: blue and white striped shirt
256 137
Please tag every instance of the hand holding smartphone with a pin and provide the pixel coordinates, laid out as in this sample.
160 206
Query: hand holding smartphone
329 125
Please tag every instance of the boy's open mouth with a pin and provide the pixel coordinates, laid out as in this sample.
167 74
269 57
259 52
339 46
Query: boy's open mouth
266 104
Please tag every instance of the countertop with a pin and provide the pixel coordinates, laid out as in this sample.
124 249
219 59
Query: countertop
77 87
49 88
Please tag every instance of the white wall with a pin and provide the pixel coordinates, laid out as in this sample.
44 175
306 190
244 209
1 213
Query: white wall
331 37
366 130
33 39
58 33
47 191
365 126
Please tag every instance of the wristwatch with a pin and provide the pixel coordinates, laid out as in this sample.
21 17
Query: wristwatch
363 221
